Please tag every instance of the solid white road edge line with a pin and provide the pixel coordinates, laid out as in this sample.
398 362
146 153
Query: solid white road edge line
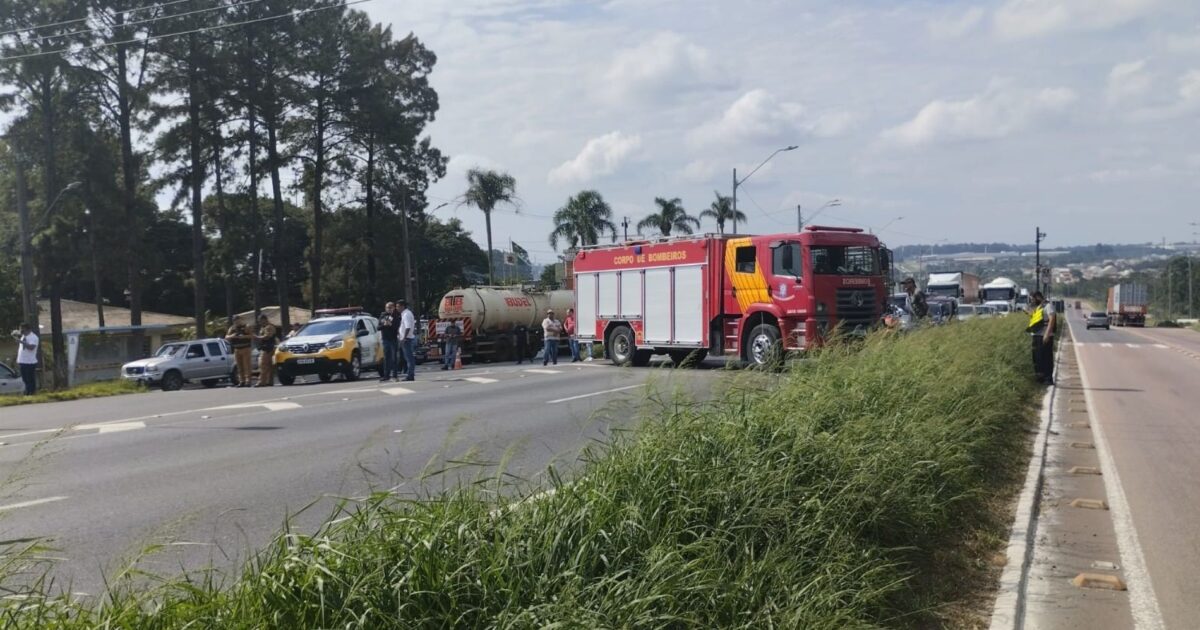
25 504
1143 604
1008 612
607 391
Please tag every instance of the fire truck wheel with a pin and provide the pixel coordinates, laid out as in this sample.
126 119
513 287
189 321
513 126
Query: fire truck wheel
762 348
621 346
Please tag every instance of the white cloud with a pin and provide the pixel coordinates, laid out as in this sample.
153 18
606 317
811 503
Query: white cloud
1184 43
1000 111
702 170
1128 81
600 156
956 25
664 64
1187 100
757 116
1018 19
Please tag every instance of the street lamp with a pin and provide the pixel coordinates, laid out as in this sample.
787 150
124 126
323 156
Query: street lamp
738 182
832 203
1191 313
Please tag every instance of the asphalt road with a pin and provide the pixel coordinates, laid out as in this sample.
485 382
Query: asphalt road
1144 392
213 474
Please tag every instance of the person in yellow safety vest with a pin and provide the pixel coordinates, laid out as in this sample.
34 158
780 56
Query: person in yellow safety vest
1041 328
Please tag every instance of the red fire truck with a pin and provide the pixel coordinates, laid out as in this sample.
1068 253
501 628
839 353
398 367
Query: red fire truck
748 296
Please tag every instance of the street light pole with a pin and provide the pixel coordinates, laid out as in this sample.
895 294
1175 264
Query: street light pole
1037 270
832 203
738 182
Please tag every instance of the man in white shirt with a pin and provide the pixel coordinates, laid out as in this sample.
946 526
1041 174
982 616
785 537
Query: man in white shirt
551 329
27 358
408 340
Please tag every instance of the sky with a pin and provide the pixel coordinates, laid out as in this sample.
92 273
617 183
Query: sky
973 121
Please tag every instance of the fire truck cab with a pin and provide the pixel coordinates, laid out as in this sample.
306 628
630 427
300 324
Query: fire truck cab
749 296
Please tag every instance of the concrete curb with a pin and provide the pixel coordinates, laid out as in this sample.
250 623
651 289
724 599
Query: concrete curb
1008 613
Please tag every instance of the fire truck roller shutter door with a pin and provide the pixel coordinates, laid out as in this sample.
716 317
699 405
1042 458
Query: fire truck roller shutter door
658 306
608 295
689 305
585 309
631 294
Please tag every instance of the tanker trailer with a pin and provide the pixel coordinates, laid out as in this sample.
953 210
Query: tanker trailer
488 317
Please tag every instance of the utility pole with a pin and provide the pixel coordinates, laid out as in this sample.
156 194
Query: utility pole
625 226
799 217
735 185
91 230
1037 272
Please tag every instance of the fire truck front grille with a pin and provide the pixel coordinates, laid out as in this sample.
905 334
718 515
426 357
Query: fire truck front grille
856 307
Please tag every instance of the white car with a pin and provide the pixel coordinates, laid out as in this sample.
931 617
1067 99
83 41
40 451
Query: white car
1000 307
206 361
10 381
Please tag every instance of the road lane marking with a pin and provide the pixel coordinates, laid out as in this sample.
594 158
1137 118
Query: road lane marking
25 504
480 379
396 391
1162 346
542 371
607 391
13 435
1143 604
1132 345
111 427
1106 345
271 406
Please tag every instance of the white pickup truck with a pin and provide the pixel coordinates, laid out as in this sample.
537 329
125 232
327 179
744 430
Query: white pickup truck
204 361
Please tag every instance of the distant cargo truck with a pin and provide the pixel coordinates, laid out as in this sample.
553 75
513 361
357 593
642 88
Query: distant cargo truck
960 285
1127 304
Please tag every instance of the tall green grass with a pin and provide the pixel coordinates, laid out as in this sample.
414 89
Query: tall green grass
820 498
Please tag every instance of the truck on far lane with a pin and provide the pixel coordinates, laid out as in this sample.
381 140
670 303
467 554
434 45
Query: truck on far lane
1127 304
960 285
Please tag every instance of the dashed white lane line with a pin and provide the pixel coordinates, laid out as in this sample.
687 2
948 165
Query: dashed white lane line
271 406
1106 345
25 504
1143 603
112 427
543 371
1161 346
396 391
482 380
607 391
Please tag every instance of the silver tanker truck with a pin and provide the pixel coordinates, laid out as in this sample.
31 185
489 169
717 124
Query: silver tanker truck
489 316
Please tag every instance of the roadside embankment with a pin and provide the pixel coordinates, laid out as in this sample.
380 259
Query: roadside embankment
860 489
89 390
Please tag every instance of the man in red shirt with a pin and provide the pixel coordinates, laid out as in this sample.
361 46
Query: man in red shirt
572 340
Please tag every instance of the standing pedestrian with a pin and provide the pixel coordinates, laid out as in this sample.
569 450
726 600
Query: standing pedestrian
572 340
267 336
295 330
408 340
240 339
551 329
27 357
452 333
389 326
1041 328
915 303
521 342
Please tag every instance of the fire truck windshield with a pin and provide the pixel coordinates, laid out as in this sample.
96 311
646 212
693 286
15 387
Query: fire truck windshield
845 261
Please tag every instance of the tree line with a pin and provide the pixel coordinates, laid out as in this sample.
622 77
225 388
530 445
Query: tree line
224 107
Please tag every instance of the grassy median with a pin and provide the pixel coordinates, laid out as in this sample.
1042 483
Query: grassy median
858 490
89 390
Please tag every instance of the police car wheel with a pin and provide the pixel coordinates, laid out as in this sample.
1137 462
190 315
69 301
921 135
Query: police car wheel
354 370
325 377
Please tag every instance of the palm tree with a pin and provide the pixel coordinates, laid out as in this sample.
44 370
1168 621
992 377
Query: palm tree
670 217
721 211
582 220
486 190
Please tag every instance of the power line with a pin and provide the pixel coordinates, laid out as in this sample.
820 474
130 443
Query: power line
142 40
153 19
84 19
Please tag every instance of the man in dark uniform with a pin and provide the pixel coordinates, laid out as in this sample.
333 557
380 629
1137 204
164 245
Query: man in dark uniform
266 339
240 339
1041 329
